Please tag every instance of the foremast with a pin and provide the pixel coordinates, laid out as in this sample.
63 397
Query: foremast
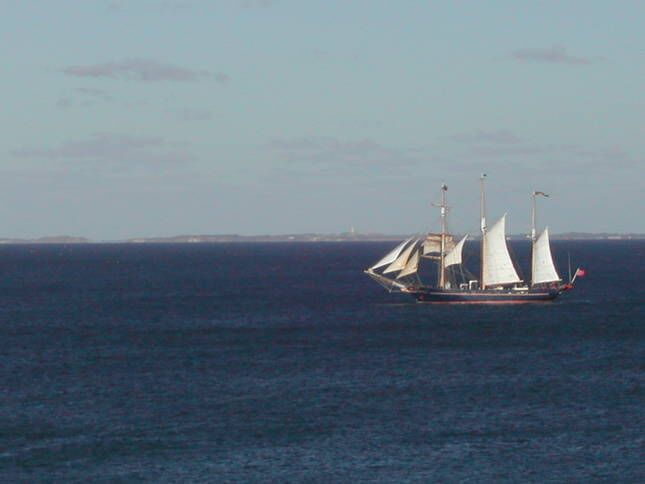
497 268
533 195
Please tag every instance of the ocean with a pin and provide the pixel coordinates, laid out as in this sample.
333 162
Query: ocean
284 363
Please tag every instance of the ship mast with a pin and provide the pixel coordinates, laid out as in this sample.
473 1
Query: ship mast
533 216
533 229
442 255
482 215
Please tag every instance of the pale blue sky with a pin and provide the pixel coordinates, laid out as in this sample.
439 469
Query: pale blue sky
127 118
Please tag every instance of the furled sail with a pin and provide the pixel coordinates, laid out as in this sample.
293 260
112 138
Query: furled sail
402 260
432 244
392 255
454 256
542 267
498 266
411 267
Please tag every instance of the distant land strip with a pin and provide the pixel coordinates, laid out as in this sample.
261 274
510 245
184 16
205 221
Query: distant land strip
306 237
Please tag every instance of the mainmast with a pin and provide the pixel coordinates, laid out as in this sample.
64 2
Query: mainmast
533 212
442 254
534 232
482 215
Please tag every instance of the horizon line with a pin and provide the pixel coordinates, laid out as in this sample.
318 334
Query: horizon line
287 237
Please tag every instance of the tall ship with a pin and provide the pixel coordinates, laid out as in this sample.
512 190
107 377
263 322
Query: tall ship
498 280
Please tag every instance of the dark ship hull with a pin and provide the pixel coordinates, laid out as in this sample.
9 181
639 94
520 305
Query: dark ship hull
490 296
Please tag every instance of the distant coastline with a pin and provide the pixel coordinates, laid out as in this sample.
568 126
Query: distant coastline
306 237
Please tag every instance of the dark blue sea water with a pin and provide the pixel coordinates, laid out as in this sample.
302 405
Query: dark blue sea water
284 363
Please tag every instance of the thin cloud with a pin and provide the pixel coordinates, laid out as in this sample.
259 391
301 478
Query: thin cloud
505 146
337 155
175 6
332 149
64 103
116 6
222 78
495 143
488 143
99 145
318 54
145 70
556 54
97 94
257 3
607 157
110 147
502 136
83 96
188 114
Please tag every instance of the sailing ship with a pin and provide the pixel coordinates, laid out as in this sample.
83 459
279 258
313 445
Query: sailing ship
498 282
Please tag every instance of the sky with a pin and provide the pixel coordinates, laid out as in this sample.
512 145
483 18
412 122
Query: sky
155 118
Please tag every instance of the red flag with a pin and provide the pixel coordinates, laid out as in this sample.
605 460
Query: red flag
580 272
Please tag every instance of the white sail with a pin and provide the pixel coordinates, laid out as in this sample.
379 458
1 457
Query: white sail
542 267
432 244
401 260
411 267
498 266
392 255
454 256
